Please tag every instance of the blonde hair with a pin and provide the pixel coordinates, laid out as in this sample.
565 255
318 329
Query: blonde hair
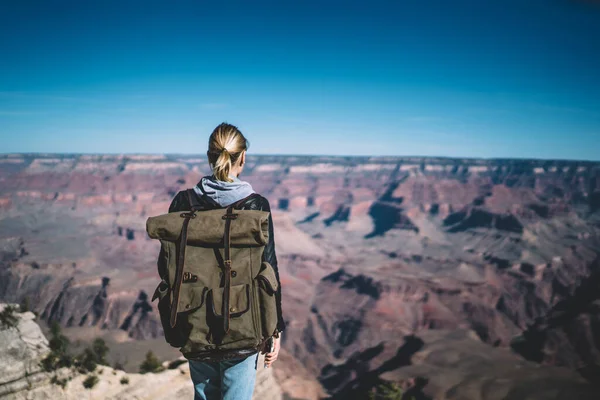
225 145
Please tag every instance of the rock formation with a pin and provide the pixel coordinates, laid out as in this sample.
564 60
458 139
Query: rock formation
444 365
23 346
371 249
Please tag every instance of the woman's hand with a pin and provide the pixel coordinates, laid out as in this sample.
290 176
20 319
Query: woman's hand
271 357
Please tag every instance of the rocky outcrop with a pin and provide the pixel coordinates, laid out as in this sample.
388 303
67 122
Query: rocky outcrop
341 214
474 217
569 333
23 346
140 322
85 304
386 217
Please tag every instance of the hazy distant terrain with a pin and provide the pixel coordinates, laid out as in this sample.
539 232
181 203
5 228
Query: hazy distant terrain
371 251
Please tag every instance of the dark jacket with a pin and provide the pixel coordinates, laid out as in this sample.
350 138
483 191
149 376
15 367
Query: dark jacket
182 203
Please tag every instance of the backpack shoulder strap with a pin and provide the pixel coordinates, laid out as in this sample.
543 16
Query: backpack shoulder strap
241 201
193 198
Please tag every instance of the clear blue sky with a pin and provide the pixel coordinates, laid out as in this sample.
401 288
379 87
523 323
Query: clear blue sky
493 78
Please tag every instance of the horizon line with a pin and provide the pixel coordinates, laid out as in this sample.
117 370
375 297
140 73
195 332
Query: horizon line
310 156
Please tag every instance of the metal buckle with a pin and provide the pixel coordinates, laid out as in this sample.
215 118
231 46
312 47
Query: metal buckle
189 277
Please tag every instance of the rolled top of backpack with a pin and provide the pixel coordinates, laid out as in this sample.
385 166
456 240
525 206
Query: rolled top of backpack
249 228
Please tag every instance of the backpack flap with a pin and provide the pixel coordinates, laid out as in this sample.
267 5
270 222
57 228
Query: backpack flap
251 228
267 279
239 300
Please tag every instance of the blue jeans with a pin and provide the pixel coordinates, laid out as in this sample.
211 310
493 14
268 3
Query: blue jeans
224 380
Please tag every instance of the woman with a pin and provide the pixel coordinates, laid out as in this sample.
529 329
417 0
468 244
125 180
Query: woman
215 377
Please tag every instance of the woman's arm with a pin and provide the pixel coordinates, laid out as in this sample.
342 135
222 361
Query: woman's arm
270 257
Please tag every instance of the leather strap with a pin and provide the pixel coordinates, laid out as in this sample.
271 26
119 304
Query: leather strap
181 245
228 217
193 199
180 261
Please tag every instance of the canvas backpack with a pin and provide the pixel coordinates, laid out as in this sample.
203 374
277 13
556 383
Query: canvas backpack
216 292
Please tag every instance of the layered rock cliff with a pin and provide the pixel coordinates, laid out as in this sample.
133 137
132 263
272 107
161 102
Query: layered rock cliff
370 249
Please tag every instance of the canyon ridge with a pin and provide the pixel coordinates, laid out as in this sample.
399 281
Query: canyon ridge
459 278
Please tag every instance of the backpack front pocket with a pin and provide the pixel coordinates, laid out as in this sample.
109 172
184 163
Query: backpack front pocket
239 301
241 324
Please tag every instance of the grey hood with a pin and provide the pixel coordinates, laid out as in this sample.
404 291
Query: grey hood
223 193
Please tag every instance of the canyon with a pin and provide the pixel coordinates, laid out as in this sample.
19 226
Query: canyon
461 266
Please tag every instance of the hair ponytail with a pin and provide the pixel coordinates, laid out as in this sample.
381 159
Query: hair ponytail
222 166
225 145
